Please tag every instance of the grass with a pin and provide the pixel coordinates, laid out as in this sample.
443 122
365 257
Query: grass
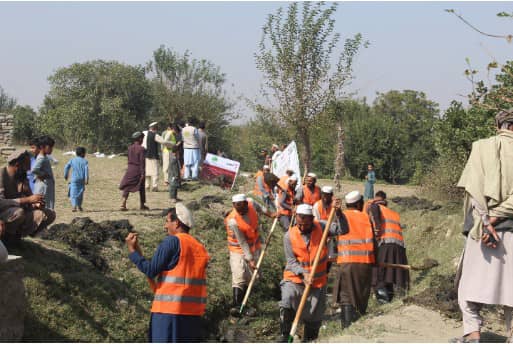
69 300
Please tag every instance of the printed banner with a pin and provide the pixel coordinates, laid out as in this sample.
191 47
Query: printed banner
216 167
288 159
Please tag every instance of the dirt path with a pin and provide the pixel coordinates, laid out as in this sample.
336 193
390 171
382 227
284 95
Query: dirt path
406 324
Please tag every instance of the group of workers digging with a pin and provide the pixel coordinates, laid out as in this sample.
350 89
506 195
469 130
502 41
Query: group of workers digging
309 214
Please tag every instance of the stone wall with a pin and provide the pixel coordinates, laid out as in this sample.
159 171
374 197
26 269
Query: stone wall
6 129
12 300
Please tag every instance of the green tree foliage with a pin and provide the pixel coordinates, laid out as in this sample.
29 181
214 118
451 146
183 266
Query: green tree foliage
185 87
25 124
7 103
295 55
396 135
97 104
249 139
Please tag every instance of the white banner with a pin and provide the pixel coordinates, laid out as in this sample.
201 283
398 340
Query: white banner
215 166
288 159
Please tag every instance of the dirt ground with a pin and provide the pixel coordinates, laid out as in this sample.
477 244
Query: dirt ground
405 324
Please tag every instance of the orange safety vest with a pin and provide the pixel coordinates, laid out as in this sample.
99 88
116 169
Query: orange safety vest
324 213
289 199
183 289
357 246
306 256
391 231
282 183
249 230
256 189
310 197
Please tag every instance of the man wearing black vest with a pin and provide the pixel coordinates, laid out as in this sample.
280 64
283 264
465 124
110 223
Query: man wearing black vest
151 144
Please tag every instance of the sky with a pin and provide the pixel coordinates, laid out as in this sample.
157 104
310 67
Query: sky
413 45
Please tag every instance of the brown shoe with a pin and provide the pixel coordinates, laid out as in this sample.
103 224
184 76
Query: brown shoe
143 207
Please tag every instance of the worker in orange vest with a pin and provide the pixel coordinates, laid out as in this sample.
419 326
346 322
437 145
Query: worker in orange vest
177 275
244 245
301 244
286 201
309 193
356 258
262 189
391 249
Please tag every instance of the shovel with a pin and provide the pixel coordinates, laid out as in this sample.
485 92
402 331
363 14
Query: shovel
427 264
255 272
314 267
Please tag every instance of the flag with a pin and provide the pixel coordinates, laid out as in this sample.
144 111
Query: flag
288 159
223 169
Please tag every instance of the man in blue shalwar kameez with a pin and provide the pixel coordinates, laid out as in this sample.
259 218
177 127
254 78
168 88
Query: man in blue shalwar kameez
79 178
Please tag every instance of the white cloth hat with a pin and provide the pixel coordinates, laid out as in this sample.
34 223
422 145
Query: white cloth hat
184 215
353 197
266 167
313 175
292 178
239 198
275 146
304 209
327 189
152 124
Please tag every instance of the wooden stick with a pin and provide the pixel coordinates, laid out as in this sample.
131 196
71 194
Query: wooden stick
312 274
255 272
390 265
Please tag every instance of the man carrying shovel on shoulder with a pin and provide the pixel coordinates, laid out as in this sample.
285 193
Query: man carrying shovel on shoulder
300 245
244 244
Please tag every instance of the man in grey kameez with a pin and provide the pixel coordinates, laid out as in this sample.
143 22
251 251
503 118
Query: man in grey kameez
487 264
292 292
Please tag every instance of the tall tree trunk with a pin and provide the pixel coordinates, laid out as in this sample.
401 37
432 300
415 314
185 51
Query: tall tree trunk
339 157
304 135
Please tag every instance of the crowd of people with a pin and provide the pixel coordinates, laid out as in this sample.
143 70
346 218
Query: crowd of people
182 151
363 238
365 244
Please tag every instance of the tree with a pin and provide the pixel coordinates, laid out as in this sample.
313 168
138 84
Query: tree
25 124
7 103
185 87
295 55
97 104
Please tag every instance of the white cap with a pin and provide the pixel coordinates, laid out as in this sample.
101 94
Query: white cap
292 178
327 189
266 167
152 124
184 215
239 198
353 197
313 175
304 209
275 145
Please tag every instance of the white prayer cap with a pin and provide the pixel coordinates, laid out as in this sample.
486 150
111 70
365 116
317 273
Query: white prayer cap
275 145
313 175
353 197
184 215
327 189
292 178
266 167
239 198
152 124
304 209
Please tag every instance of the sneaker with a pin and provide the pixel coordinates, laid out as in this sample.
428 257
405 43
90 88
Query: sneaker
80 209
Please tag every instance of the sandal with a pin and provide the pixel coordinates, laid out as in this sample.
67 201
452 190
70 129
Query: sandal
144 208
123 209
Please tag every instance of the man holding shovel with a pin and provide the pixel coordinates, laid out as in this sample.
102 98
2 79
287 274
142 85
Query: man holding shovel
244 244
300 245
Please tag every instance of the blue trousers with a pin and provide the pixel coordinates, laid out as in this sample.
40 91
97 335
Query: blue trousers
171 328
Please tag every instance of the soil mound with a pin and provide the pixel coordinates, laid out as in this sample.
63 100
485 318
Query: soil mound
87 237
415 203
440 296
